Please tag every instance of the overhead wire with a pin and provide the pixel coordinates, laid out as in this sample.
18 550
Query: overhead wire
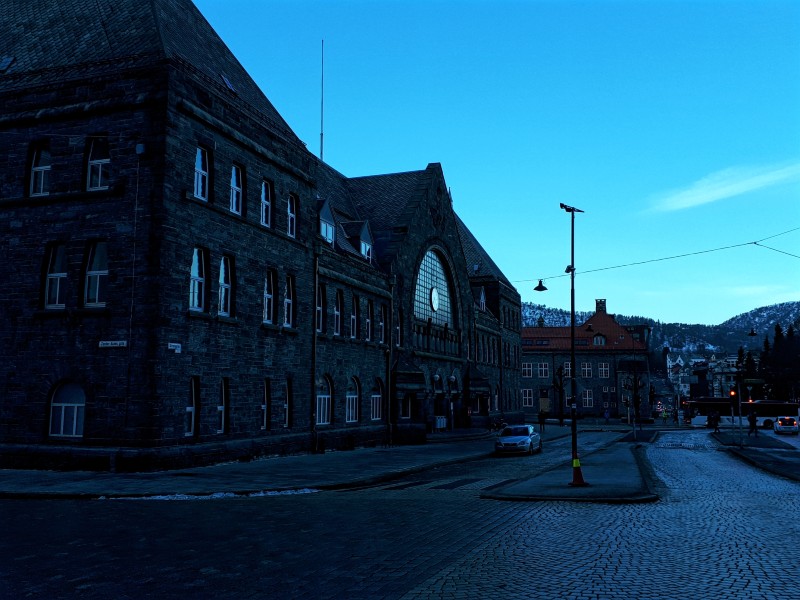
652 260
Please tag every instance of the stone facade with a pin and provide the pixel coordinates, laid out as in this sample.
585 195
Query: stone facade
188 284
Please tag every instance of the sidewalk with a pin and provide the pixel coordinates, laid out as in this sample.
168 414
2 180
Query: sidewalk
617 473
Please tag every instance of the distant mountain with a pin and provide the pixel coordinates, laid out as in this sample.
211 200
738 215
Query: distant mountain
725 338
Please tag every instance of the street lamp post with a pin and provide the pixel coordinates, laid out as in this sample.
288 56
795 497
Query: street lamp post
577 475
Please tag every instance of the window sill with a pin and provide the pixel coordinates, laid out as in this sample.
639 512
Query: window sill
198 314
228 320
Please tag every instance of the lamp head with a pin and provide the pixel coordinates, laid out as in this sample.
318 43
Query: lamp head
540 287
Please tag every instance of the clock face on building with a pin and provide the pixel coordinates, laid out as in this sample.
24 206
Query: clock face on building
434 299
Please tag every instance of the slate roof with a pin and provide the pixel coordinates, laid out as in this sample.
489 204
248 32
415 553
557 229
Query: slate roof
51 40
476 256
619 338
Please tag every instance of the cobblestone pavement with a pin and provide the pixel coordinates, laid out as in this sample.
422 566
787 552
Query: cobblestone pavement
722 530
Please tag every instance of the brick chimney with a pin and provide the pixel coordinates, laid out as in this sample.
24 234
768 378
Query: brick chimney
600 306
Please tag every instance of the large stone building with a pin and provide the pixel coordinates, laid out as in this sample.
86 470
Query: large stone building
612 368
186 282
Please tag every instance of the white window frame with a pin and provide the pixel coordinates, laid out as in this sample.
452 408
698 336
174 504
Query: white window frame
288 302
370 317
268 315
351 407
366 250
222 407
97 168
56 279
320 309
354 318
586 370
197 281
201 174
604 370
527 369
266 203
323 409
190 423
225 295
59 410
237 189
544 370
527 398
337 313
40 172
291 216
567 369
327 231
587 399
376 407
94 291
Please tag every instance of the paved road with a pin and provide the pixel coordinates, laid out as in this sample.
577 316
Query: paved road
722 530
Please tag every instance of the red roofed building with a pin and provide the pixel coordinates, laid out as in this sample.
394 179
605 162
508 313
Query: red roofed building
612 367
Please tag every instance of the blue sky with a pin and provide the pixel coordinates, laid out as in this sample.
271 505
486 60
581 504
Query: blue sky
674 125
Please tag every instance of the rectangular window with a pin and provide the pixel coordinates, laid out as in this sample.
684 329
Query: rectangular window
587 399
544 370
55 285
405 407
266 203
288 302
97 165
604 370
197 281
94 293
337 313
237 190
40 172
366 250
351 408
201 174
370 317
567 369
269 298
382 325
326 230
323 409
224 405
192 408
586 369
527 398
320 312
376 405
288 404
291 216
354 318
225 303
266 406
527 369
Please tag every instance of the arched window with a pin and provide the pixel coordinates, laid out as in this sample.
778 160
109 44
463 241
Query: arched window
40 172
197 281
225 287
201 174
337 313
291 216
266 203
288 302
432 299
237 189
55 285
269 298
67 411
96 275
352 401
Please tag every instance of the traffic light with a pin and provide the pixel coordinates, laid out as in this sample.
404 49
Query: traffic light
733 398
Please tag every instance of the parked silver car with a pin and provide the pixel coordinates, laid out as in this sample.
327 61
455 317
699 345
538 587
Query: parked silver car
518 439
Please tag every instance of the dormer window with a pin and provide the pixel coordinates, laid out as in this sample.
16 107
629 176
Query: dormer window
599 340
366 250
326 230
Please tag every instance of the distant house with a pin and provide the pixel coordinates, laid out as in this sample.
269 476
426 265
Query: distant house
612 367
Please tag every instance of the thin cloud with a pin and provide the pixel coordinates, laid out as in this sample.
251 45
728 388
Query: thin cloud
726 184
